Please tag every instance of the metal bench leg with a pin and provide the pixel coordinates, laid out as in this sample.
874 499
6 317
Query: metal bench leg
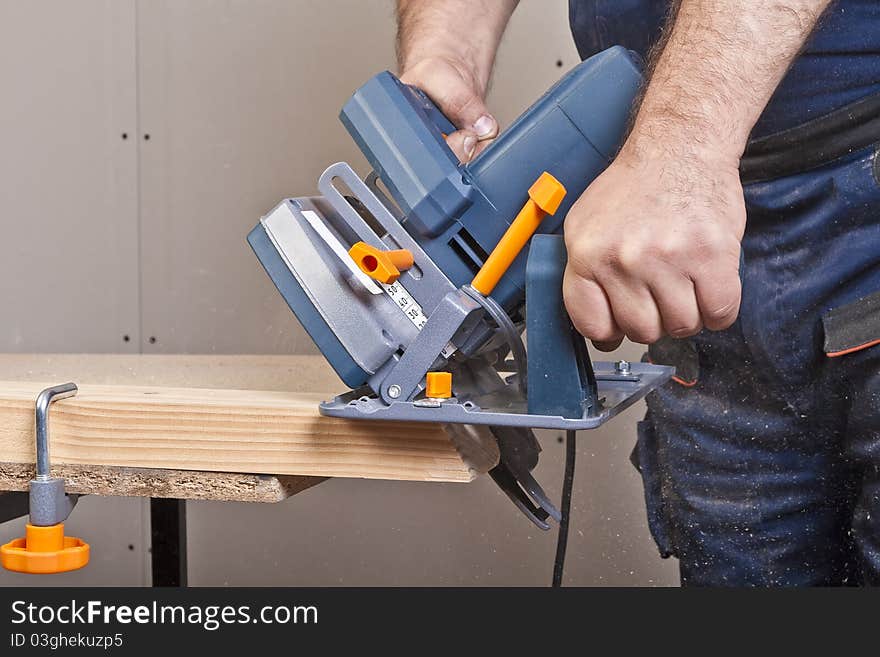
168 540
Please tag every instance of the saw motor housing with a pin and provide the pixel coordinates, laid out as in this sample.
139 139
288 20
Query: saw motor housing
386 335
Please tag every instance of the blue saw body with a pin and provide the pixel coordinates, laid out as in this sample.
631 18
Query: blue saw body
387 336
457 213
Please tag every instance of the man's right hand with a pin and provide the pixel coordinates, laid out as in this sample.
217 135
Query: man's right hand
458 93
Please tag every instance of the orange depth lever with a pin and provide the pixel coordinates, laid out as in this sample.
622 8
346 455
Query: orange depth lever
383 266
545 197
44 550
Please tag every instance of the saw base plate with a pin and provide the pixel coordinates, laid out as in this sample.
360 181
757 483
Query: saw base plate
506 407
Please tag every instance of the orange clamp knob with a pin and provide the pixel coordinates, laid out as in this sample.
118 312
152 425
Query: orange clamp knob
439 385
383 266
44 550
545 197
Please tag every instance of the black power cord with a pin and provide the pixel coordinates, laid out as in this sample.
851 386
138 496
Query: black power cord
565 508
517 350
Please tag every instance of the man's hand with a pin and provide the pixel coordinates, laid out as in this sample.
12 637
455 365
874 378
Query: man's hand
455 89
654 249
447 49
654 242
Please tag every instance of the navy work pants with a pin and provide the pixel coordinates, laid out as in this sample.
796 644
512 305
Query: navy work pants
762 466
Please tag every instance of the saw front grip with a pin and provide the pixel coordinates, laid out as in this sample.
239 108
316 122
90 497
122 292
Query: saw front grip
45 549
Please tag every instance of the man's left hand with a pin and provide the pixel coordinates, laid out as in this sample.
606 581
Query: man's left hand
654 246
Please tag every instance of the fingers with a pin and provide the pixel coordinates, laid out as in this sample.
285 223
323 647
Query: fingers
677 304
463 143
607 346
634 309
455 95
719 299
648 302
459 102
590 311
605 309
485 126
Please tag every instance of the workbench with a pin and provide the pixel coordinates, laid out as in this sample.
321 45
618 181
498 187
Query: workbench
184 427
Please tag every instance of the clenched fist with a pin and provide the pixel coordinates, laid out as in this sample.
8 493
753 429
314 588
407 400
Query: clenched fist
654 246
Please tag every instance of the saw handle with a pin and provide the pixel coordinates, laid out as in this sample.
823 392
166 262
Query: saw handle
400 132
545 196
433 113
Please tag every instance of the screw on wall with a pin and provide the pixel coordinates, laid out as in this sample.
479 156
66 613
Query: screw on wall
152 339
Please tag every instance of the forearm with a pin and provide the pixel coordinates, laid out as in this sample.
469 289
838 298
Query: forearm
654 243
721 62
464 31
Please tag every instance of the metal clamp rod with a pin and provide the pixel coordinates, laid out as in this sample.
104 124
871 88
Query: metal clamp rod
45 548
44 400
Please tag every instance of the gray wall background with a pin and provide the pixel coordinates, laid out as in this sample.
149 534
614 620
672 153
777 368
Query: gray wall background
141 140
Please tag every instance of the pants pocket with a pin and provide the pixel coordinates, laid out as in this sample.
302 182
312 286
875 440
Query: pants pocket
645 457
681 354
853 327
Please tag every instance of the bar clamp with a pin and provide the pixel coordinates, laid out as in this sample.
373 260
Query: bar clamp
45 549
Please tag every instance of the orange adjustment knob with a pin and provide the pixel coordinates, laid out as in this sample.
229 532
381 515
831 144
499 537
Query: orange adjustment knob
545 197
44 550
383 266
439 385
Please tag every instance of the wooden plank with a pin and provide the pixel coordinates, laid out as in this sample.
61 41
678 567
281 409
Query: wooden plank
267 432
277 430
176 484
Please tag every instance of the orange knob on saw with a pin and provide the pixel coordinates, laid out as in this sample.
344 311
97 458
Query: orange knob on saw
545 197
438 385
44 550
383 266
